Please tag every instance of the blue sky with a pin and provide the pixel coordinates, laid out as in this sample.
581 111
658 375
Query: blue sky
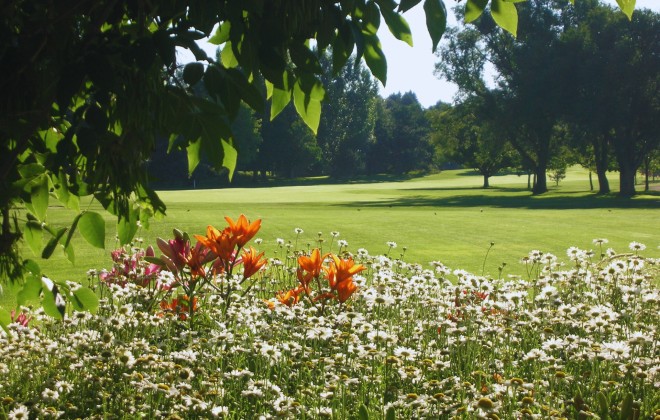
412 68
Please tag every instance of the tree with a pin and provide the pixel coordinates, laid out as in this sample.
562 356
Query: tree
625 116
87 85
463 137
401 136
347 123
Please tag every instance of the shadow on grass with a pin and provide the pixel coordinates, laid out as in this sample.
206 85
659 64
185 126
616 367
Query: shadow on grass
563 201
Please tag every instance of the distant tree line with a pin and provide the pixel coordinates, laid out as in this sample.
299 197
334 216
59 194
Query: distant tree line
579 85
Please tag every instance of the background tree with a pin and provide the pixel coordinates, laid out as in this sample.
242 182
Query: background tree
463 137
348 119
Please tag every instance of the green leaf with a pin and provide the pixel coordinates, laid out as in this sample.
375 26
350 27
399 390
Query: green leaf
92 229
70 254
145 215
373 55
603 403
194 152
213 81
308 107
53 302
31 170
32 267
73 229
34 235
5 320
221 34
474 9
371 18
281 97
406 5
193 73
154 260
627 7
249 93
398 26
39 195
505 15
227 56
363 413
342 48
30 291
85 300
304 58
436 20
99 70
390 414
126 228
62 191
627 406
52 244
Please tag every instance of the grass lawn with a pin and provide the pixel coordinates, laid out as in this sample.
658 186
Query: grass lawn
446 217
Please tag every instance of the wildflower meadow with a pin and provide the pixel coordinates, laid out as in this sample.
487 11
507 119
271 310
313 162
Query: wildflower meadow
208 326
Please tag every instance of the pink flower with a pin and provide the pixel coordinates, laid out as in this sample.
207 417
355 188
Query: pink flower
21 319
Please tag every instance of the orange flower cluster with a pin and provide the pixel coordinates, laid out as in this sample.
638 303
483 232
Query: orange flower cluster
179 306
339 274
235 236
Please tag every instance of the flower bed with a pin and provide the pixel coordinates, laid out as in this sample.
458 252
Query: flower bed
343 336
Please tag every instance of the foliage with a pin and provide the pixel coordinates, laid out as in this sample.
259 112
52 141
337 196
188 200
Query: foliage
461 136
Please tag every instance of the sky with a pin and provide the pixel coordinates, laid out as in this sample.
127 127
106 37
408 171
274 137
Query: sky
411 68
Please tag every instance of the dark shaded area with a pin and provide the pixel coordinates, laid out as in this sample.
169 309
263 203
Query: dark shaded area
548 202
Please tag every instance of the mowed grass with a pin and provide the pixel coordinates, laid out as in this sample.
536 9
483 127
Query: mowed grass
446 217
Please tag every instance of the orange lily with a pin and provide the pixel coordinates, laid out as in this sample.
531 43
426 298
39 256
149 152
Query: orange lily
242 231
179 306
342 270
194 261
221 243
312 264
251 263
345 290
289 298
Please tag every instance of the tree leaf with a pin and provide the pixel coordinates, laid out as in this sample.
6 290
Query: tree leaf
194 152
71 230
5 320
398 26
474 9
249 93
53 302
92 229
213 81
70 254
30 291
406 5
39 195
371 18
436 20
221 34
62 191
627 7
281 97
342 48
193 73
304 58
227 56
32 267
308 108
34 235
145 215
86 299
52 244
126 228
373 55
505 15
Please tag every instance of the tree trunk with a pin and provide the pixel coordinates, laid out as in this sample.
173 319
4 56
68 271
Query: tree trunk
264 176
540 181
486 185
292 174
591 181
603 183
627 180
255 176
647 164
529 180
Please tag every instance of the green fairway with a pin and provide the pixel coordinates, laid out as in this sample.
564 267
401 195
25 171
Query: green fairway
445 217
